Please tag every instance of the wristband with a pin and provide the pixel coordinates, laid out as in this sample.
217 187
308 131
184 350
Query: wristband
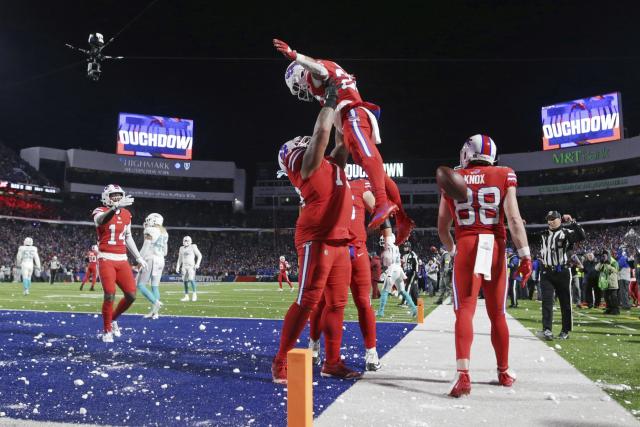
524 252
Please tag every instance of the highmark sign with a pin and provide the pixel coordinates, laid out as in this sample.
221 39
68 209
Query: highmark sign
574 157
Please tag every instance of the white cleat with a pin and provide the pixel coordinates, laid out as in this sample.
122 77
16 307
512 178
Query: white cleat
107 337
279 289
185 297
149 315
291 289
116 329
156 307
25 292
372 363
194 297
155 316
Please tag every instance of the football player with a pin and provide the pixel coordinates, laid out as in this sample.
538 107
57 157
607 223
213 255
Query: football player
357 122
284 268
321 238
26 258
479 253
154 249
360 276
113 226
189 258
393 274
92 267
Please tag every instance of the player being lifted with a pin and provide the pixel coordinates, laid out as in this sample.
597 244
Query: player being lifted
154 249
479 250
92 267
26 258
113 226
357 122
321 238
189 258
284 268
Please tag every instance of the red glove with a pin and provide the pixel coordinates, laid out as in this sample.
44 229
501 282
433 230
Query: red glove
524 269
284 49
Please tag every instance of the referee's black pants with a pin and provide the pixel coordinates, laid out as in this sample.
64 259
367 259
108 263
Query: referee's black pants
560 283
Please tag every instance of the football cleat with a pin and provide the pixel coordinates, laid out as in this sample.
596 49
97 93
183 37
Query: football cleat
25 292
279 289
381 213
194 297
291 289
314 346
279 371
116 329
506 378
107 337
185 297
339 370
372 363
149 315
156 307
461 385
155 316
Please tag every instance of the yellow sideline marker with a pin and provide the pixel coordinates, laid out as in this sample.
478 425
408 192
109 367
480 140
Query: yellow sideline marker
420 310
299 388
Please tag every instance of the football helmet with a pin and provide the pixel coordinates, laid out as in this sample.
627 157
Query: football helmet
28 241
186 240
478 147
296 79
108 191
381 242
282 258
298 144
94 248
153 219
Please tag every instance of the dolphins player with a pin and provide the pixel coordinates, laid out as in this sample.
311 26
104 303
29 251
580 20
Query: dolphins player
154 249
393 275
189 258
27 256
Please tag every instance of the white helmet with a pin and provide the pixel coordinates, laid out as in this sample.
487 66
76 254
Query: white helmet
478 147
108 191
28 241
296 79
186 240
381 241
282 258
153 219
94 248
55 257
291 150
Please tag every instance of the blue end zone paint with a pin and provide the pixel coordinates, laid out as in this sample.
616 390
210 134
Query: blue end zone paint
158 371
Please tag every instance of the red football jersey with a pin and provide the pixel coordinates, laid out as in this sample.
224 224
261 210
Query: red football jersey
482 213
325 201
284 266
111 234
93 258
358 229
347 90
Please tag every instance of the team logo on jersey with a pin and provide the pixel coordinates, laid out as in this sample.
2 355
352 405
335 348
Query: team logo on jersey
187 166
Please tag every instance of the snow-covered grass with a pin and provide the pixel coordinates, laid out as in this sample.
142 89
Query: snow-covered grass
604 348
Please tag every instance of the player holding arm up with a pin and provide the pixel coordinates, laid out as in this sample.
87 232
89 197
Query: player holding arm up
189 258
479 251
113 227
26 258
356 121
154 249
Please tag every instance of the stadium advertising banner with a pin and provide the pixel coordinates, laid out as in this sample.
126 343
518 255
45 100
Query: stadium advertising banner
155 136
582 121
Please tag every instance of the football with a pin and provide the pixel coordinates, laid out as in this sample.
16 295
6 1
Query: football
452 183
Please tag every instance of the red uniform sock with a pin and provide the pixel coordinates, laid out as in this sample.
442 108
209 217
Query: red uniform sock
332 319
500 341
315 321
107 314
123 305
375 171
367 321
392 191
464 331
280 280
294 322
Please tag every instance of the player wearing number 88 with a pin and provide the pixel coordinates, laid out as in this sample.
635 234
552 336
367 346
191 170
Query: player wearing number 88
479 251
113 227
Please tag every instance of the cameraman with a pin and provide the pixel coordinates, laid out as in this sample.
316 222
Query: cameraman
556 242
608 268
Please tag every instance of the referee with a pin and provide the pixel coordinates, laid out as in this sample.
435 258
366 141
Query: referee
556 242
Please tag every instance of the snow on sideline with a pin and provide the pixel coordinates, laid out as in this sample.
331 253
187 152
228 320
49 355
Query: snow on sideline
411 388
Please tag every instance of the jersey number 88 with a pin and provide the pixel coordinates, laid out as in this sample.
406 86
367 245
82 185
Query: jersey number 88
488 210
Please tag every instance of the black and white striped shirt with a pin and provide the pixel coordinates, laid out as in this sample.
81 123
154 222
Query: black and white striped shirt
557 243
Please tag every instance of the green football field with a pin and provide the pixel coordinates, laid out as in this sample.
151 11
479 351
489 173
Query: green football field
605 348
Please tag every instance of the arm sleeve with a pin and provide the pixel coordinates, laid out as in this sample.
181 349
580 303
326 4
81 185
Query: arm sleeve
19 256
512 179
100 216
179 259
131 244
575 233
315 67
166 247
36 259
198 255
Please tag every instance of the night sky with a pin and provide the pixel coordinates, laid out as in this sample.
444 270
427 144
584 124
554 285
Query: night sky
441 71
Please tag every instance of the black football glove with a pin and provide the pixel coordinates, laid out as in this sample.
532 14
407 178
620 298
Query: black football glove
330 94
